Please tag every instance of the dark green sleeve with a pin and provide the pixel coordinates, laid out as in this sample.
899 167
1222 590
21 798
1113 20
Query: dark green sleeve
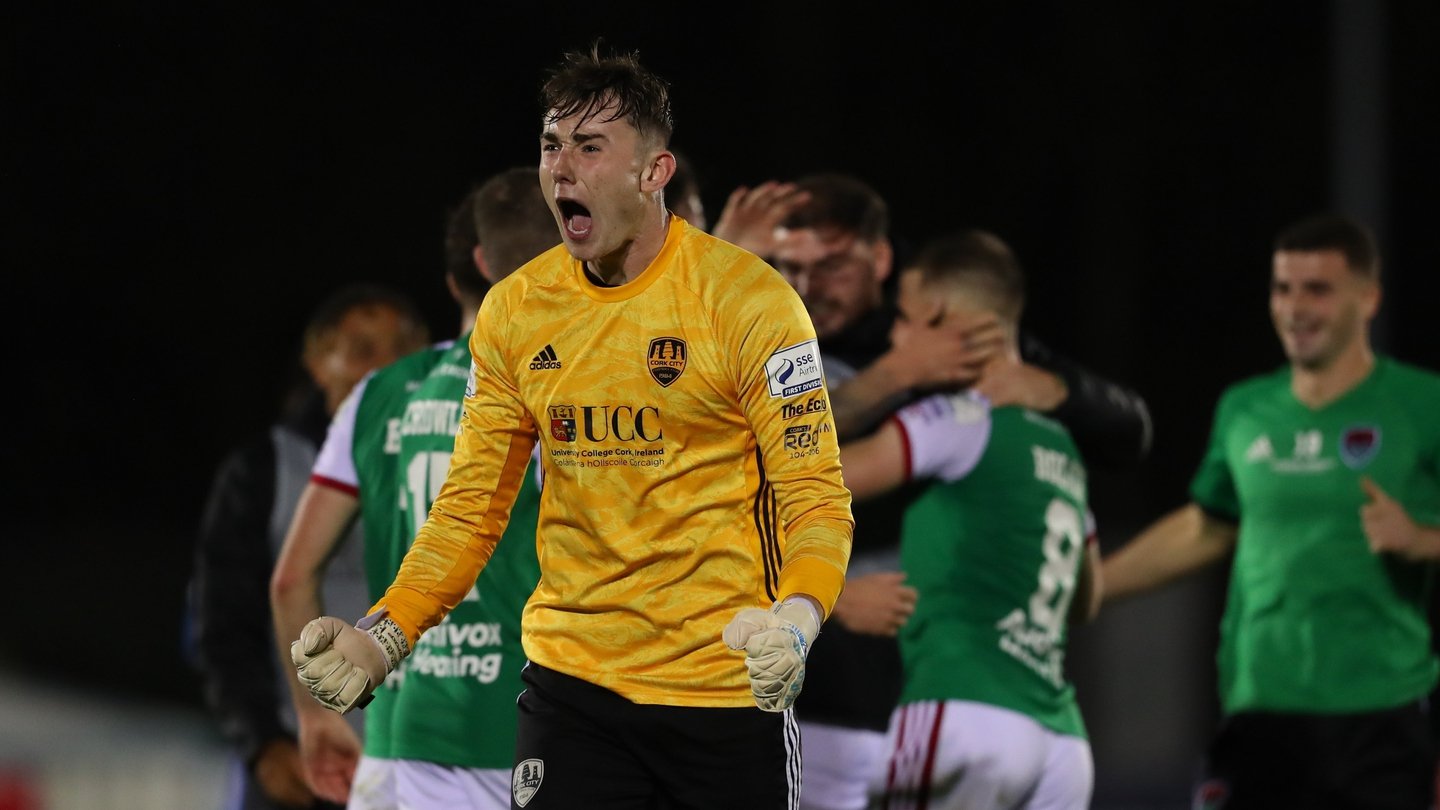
1213 486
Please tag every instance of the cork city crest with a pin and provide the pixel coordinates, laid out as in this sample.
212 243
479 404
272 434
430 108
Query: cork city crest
525 780
1359 444
666 360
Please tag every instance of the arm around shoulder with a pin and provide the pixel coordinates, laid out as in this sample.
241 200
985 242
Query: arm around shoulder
875 464
863 400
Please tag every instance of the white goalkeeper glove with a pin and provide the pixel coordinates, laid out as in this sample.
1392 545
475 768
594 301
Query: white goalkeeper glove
775 642
342 664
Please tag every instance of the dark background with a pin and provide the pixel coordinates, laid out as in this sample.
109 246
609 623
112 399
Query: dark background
185 182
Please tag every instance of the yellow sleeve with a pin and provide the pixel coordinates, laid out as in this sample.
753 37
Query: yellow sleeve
492 451
782 392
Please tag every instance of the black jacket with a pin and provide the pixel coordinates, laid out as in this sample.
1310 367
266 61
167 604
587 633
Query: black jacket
247 512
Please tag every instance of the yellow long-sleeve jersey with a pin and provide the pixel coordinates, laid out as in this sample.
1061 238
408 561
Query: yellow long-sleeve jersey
690 461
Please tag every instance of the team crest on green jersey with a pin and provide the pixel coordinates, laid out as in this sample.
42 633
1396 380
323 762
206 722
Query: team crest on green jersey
1359 444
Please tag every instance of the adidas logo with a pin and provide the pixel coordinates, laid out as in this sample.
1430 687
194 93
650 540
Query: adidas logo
545 359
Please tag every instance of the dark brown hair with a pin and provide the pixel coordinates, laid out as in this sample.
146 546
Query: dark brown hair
586 83
1334 232
977 260
844 202
512 221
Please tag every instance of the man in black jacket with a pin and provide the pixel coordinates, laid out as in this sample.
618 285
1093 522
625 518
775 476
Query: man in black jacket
246 515
835 249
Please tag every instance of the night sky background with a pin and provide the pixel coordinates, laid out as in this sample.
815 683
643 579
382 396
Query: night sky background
184 182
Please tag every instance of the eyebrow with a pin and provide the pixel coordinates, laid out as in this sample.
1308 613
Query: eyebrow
1306 284
577 137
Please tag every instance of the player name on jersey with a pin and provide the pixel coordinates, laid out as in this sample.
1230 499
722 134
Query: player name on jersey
431 418
1059 469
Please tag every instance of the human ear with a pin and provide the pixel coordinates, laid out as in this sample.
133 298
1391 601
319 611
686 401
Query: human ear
1372 298
477 255
658 172
884 259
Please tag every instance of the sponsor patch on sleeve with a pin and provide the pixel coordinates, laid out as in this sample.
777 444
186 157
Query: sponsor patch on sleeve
470 383
794 370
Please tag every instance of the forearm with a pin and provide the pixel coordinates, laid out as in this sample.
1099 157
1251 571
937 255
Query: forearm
1182 542
321 519
1429 542
1426 544
859 403
815 562
294 601
441 566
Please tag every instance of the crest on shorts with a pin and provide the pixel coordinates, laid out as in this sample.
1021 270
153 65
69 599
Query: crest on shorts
525 780
666 360
1359 444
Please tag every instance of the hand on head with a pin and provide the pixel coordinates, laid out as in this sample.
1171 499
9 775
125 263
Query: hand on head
752 216
953 353
1008 380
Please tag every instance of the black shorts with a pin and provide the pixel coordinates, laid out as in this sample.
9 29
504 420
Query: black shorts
579 745
1372 760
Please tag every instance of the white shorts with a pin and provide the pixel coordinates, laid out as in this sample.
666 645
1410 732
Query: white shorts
373 787
964 754
839 765
430 786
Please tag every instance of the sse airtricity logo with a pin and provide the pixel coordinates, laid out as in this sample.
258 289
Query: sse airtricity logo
794 370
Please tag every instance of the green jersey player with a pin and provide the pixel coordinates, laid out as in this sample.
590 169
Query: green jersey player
998 547
465 672
455 723
399 431
357 460
1322 483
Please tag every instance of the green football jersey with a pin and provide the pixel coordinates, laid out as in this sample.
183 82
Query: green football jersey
994 546
1314 621
360 457
457 703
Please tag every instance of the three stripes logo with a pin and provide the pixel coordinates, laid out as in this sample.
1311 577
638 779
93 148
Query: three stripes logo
545 359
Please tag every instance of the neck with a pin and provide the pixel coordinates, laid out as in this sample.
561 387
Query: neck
1316 387
626 264
469 310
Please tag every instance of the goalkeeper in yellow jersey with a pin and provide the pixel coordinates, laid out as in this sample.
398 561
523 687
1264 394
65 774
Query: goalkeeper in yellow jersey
694 529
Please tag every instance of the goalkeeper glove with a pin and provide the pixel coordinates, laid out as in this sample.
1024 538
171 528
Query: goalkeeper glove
775 642
341 665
